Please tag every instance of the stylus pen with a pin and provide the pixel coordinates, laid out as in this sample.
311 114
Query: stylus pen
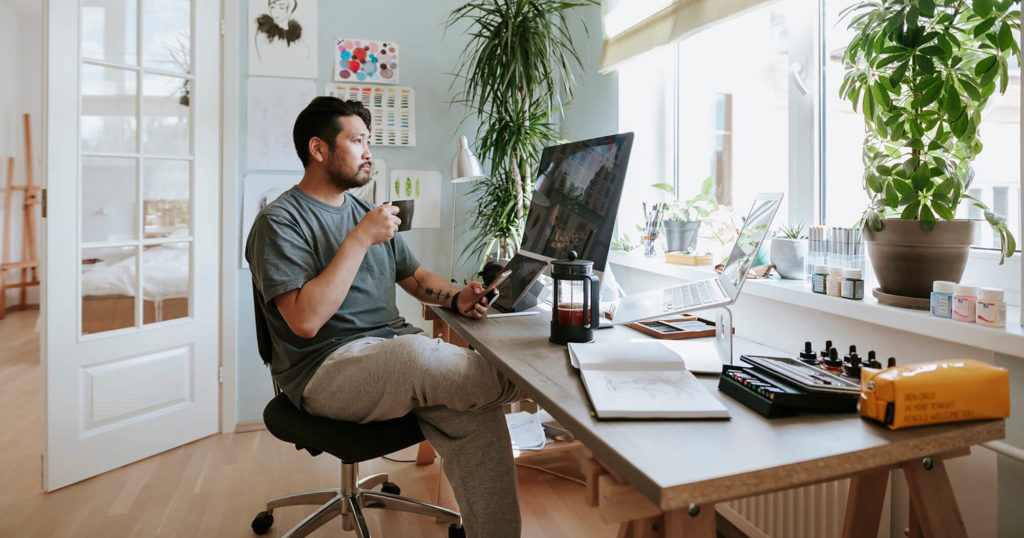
512 314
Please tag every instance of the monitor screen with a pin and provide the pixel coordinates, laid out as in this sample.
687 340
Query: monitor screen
576 199
755 227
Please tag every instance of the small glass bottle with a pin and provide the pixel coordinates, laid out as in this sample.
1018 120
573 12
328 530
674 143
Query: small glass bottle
833 284
942 298
965 304
818 278
852 286
991 308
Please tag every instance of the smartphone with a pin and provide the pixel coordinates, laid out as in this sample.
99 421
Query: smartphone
491 290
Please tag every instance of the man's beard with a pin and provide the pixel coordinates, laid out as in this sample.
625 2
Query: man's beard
346 182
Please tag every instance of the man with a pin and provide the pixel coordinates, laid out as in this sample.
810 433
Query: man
325 266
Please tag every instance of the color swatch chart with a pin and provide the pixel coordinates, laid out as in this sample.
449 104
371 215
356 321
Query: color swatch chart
393 109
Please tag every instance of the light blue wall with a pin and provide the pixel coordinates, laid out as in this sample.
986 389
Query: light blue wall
427 54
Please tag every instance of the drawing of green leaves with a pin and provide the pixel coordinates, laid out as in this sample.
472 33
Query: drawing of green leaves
408 186
396 186
417 187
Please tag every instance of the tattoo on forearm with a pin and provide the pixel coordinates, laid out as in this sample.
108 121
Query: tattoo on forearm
442 296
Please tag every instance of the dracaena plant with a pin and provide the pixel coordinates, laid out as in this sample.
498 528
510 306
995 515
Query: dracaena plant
517 73
921 72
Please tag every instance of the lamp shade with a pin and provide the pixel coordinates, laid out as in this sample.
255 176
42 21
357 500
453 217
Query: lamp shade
465 166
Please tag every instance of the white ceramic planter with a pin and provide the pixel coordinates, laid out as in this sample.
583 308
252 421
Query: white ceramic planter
788 257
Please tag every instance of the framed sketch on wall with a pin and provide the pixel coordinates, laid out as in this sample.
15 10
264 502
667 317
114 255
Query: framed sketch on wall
282 38
272 106
423 186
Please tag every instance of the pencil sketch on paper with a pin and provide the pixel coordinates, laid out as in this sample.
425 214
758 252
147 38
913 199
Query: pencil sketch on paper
283 38
272 106
653 385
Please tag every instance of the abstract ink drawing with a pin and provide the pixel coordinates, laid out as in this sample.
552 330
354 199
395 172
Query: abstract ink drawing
363 60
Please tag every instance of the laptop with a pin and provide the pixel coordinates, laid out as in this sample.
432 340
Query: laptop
722 289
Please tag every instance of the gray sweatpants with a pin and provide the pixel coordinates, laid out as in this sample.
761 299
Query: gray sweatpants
457 397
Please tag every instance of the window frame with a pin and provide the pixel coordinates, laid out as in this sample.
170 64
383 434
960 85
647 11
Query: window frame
808 181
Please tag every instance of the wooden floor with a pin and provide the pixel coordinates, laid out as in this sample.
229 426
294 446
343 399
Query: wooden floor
214 486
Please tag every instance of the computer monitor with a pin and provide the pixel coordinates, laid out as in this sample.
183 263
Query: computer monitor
576 199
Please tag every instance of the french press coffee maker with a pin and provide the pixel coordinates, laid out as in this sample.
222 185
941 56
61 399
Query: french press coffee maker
575 308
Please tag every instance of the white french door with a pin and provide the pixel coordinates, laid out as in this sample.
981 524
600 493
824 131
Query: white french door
130 297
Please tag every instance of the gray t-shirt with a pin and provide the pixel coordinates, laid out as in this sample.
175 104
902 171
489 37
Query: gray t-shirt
291 242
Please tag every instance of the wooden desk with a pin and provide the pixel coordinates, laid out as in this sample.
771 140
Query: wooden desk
678 470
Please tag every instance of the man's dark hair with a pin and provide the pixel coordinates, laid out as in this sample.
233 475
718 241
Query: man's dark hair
320 119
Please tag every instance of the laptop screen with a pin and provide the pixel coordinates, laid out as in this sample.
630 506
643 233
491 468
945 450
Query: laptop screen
755 227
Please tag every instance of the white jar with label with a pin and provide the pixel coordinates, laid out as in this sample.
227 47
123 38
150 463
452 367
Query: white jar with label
991 308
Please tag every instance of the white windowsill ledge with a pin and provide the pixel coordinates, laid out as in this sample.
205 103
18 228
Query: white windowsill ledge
1008 340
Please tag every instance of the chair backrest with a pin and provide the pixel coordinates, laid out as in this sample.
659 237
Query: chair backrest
262 329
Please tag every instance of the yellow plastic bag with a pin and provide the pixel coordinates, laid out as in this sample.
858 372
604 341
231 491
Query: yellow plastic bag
949 390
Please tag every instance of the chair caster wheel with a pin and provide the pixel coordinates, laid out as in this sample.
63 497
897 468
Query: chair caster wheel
262 522
456 532
391 487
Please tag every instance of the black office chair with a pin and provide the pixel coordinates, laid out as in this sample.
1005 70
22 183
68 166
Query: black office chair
350 442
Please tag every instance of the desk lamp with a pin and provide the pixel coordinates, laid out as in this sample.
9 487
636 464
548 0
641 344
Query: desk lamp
465 168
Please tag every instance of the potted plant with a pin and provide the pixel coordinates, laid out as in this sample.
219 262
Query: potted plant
921 72
682 219
516 72
788 251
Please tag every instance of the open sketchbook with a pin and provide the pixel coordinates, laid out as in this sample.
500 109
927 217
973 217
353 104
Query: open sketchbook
641 380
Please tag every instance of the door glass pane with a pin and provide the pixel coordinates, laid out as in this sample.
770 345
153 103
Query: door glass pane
165 122
166 280
167 35
108 109
108 288
109 199
166 196
109 30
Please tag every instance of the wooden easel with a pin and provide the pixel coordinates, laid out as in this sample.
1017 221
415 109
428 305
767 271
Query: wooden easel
29 263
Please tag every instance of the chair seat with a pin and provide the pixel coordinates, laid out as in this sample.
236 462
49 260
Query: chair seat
349 441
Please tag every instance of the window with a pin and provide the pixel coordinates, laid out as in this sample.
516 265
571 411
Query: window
997 172
753 102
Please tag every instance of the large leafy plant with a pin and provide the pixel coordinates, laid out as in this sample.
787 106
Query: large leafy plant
516 72
921 72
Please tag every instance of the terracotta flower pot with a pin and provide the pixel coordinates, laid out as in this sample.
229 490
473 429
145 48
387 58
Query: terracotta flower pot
907 258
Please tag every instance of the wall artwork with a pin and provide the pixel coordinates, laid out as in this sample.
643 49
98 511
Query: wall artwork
365 60
393 110
376 190
273 105
260 190
424 186
282 38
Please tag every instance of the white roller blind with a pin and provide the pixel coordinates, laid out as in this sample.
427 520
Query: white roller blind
673 21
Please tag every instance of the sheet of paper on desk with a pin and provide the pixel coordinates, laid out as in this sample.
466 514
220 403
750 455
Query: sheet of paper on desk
700 355
645 353
650 394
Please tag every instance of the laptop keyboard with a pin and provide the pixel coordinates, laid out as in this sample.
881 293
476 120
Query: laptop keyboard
689 295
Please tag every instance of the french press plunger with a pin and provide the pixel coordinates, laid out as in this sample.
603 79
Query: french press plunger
575 308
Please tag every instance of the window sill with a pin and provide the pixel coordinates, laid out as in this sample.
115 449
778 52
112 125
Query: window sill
1008 340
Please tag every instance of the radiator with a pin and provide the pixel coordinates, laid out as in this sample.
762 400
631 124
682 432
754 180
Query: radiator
809 512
